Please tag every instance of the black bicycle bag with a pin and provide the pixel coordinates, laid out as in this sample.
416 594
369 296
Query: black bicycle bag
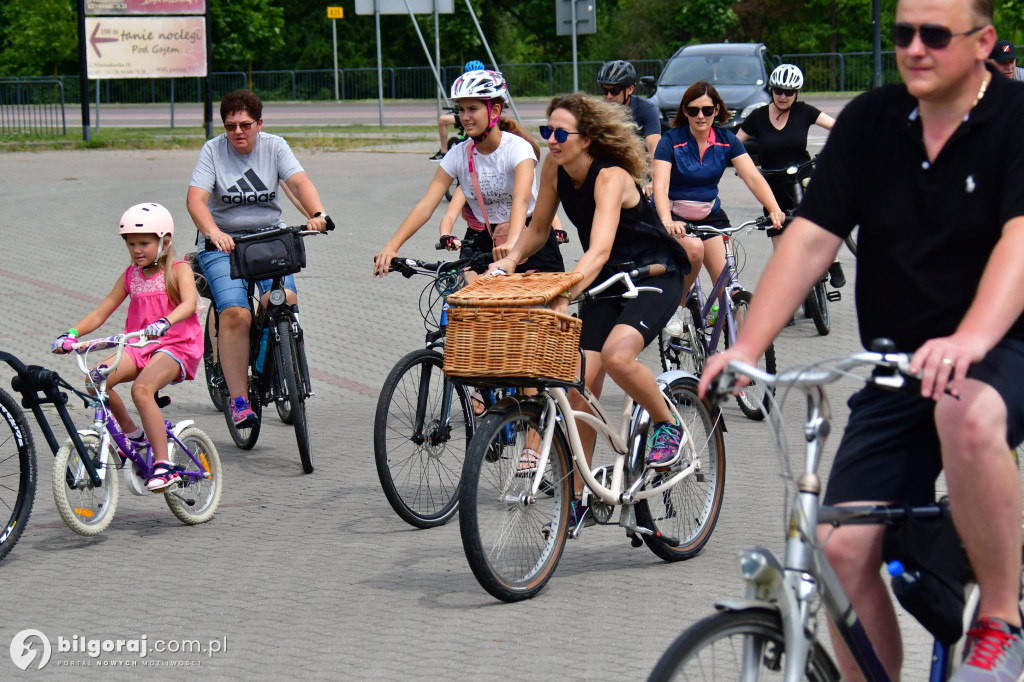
282 254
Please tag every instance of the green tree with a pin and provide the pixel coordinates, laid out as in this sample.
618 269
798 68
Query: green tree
40 37
243 31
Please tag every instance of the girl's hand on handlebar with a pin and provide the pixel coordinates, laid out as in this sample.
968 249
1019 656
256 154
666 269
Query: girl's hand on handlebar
382 261
778 218
506 265
676 228
63 344
222 241
318 223
501 252
450 242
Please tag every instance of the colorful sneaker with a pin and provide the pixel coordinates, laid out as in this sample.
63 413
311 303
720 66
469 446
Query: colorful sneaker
995 652
242 414
577 512
676 327
438 156
164 476
836 277
665 445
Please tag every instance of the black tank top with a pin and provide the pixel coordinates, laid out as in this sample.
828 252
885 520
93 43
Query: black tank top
640 239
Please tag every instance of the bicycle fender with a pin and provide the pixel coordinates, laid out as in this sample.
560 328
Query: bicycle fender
666 378
745 605
181 426
88 432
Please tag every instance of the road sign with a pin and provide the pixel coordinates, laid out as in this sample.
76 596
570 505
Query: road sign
335 12
108 7
145 47
586 17
398 6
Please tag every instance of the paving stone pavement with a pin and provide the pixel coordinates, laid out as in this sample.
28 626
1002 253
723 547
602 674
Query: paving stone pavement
314 576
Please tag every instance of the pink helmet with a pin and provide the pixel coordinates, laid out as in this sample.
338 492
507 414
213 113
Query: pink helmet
147 218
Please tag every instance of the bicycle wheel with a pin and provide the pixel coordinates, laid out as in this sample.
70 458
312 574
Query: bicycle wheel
86 509
747 399
284 407
817 307
689 510
17 485
688 351
295 388
197 498
513 541
246 438
735 645
851 241
419 454
215 385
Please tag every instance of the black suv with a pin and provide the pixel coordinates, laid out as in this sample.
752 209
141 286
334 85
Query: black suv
739 71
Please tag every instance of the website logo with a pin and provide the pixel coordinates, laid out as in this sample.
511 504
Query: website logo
248 189
23 652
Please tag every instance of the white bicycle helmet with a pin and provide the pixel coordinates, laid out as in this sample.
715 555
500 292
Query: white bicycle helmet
147 218
786 77
482 84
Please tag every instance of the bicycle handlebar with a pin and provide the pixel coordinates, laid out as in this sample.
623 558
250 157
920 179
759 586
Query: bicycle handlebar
118 341
409 266
271 231
711 231
792 169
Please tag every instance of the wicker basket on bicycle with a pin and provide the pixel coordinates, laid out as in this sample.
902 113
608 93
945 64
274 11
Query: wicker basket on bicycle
500 331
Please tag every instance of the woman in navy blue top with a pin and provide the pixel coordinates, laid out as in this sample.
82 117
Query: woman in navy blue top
688 164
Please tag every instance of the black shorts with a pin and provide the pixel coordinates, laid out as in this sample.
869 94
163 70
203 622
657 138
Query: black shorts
890 449
647 313
547 259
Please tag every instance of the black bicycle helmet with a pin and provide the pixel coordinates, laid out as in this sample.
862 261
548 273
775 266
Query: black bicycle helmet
618 72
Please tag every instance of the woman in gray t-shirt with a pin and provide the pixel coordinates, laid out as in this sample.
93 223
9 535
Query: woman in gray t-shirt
235 188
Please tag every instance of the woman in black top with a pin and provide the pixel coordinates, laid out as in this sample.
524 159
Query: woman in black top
594 166
781 132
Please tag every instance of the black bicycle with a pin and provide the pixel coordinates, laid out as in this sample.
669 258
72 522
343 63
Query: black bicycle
277 372
816 305
424 421
17 451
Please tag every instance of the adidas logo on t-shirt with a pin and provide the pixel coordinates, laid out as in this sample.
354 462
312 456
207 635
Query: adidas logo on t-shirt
248 189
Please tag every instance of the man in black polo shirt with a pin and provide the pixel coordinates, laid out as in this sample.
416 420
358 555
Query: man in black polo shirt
618 82
933 172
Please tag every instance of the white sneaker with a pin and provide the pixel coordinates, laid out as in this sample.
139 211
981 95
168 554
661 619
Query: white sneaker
677 325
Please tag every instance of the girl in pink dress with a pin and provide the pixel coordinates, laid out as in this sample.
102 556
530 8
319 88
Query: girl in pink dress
163 304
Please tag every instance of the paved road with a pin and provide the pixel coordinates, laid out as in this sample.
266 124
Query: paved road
314 576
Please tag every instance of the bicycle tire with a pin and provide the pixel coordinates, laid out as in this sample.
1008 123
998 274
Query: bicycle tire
85 509
197 499
689 510
817 308
246 438
215 385
851 241
296 391
19 448
420 472
687 352
707 650
284 407
747 397
513 543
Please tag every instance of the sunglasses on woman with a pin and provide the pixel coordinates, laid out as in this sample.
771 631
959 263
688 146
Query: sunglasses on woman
693 111
231 127
783 93
560 135
932 35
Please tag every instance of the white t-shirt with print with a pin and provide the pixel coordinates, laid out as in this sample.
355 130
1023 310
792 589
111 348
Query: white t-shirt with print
496 173
244 188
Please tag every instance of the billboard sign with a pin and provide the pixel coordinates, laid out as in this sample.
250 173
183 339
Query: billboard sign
109 7
145 47
399 6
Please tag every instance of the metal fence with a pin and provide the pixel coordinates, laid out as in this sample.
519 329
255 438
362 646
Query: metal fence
32 106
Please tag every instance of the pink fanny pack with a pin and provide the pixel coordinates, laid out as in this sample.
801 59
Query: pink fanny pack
692 210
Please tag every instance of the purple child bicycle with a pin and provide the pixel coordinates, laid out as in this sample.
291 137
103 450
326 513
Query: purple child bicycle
85 475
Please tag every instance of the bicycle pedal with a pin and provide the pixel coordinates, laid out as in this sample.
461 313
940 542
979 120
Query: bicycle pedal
833 296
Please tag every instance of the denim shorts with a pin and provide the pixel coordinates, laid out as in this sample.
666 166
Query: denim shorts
229 292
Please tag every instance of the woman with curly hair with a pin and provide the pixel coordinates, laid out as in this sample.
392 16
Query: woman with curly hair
594 168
